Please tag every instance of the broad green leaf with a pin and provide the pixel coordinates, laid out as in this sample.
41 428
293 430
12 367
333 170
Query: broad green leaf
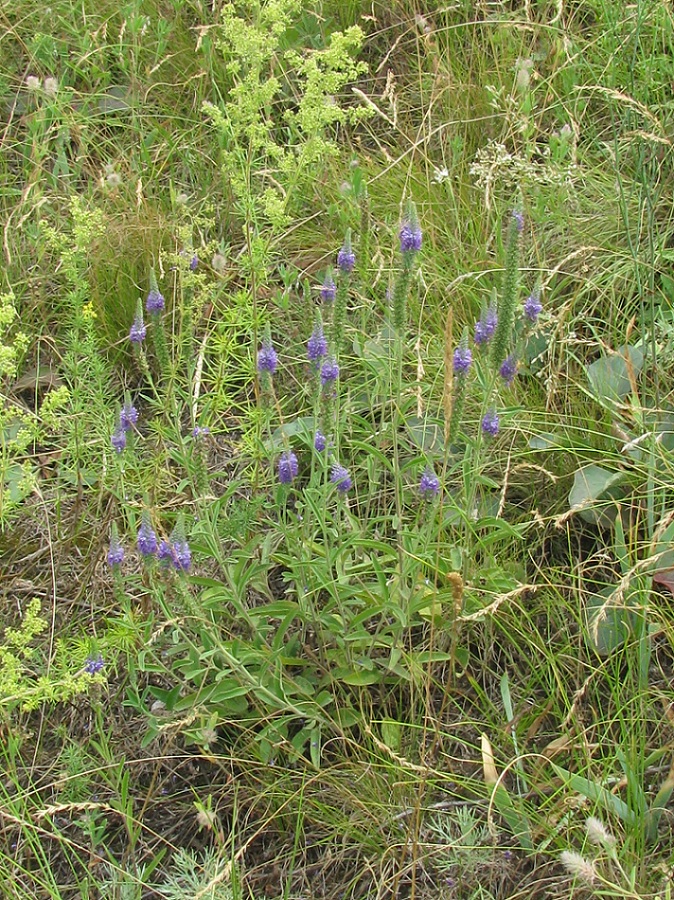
609 376
593 489
599 794
609 625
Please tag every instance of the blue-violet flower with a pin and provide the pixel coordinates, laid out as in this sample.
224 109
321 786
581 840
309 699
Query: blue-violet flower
410 237
288 467
128 416
317 345
118 440
533 305
267 360
486 326
138 329
329 371
155 302
320 442
328 289
490 423
94 664
115 553
340 477
508 369
429 484
147 539
346 258
463 359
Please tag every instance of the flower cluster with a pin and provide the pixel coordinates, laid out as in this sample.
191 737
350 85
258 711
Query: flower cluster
429 484
267 358
128 418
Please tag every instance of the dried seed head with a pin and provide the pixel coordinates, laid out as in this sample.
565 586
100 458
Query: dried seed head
598 834
578 867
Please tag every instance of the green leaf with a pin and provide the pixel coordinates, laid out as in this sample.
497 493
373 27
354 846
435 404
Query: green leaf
609 625
426 436
595 486
598 794
609 376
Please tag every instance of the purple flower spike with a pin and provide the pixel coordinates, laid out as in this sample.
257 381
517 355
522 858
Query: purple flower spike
288 467
164 553
533 305
346 258
128 416
429 484
138 329
94 664
340 477
317 345
267 360
485 328
115 553
118 440
155 302
519 220
508 369
490 423
181 556
147 539
463 359
410 237
328 289
329 372
320 442
194 262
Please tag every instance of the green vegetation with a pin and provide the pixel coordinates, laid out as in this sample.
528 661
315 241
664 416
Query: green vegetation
336 450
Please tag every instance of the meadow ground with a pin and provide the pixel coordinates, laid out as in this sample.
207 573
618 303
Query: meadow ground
336 347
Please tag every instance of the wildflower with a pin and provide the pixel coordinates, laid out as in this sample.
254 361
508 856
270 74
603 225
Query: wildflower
128 416
200 431
94 664
429 484
340 477
155 302
194 262
267 359
577 866
518 219
329 371
346 258
118 440
320 442
486 326
33 83
440 174
317 345
598 834
181 556
50 86
533 305
116 552
463 359
164 553
147 538
328 289
410 237
288 467
138 329
508 369
490 423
